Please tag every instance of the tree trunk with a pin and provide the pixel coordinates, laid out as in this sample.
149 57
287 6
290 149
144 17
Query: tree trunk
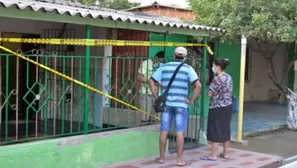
273 78
292 110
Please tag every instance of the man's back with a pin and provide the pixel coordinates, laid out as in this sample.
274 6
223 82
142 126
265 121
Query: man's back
177 101
178 91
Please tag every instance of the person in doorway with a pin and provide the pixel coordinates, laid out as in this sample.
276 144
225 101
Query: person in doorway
220 110
176 102
147 68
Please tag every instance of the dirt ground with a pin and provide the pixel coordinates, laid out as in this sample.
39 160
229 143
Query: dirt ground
281 143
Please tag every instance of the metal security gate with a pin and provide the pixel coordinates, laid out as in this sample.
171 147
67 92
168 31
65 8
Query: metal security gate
200 60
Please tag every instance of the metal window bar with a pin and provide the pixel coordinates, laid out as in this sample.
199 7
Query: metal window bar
53 106
62 98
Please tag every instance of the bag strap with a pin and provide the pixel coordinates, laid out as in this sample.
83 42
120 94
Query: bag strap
172 78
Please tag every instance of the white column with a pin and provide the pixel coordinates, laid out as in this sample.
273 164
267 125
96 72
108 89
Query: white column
241 87
106 74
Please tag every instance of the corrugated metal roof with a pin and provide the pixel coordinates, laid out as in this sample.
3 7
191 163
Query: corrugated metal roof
63 7
159 4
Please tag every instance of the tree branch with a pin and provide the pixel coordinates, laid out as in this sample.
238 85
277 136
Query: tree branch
291 63
287 69
253 46
264 53
271 76
271 68
254 49
272 53
284 80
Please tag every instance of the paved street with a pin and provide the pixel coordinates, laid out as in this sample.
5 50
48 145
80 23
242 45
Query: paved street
280 142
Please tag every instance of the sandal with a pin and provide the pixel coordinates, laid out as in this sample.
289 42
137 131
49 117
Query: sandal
187 163
158 160
208 159
224 156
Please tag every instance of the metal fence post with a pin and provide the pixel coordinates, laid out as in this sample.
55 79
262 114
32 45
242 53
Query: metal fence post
204 90
87 81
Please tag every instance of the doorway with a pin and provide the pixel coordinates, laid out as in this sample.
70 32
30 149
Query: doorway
21 76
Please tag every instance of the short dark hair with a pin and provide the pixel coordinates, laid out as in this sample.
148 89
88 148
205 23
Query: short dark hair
160 54
223 63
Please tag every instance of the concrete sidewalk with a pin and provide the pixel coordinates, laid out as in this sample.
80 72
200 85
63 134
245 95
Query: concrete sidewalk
238 159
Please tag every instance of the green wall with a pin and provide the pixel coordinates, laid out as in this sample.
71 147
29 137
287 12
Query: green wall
90 151
232 52
155 37
169 38
173 38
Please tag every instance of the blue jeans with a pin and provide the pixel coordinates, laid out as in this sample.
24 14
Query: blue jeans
180 116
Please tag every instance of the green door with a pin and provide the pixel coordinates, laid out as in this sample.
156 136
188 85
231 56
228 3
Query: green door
232 52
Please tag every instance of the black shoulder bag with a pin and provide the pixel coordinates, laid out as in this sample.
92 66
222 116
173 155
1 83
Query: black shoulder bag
159 105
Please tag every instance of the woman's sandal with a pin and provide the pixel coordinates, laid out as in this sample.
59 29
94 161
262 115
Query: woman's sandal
158 160
187 163
224 156
208 159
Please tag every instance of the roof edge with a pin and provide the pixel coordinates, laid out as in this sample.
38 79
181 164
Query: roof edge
39 11
157 4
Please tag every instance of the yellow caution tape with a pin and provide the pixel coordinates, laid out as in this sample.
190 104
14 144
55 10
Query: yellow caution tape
102 42
76 81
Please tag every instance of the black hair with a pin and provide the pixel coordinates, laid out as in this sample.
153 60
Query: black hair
223 63
160 54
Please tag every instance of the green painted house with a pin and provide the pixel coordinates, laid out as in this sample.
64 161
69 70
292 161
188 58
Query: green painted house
48 121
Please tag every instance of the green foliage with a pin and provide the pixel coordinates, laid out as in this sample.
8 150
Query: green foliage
118 4
86 2
268 23
265 20
112 4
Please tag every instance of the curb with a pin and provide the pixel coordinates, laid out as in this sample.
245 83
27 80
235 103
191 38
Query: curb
290 160
261 131
275 164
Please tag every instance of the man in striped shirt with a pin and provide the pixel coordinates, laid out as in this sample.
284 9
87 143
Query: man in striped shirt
177 100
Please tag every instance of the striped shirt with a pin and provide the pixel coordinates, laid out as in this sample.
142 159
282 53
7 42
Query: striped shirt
179 89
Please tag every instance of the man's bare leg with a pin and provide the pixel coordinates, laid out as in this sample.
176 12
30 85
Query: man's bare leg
180 148
162 145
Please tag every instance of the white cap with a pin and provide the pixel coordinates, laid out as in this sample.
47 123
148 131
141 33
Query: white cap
180 52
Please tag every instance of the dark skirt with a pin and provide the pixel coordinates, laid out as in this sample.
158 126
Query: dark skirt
219 123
